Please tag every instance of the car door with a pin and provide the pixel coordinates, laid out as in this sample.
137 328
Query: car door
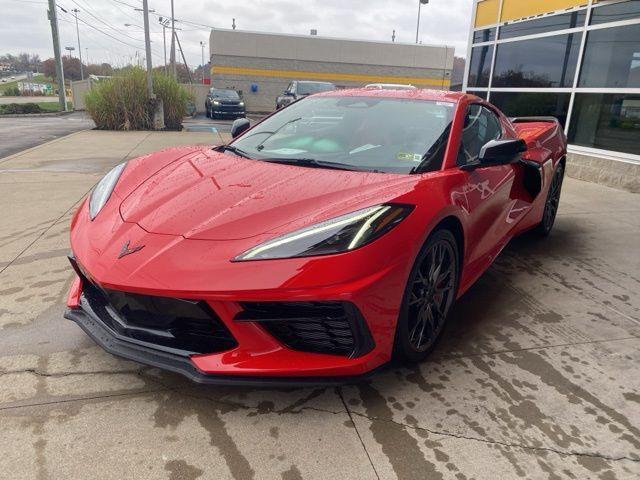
485 193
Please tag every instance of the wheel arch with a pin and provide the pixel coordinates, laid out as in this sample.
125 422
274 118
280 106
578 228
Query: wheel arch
454 225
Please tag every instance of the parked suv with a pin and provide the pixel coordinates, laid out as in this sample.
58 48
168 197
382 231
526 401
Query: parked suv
222 102
298 89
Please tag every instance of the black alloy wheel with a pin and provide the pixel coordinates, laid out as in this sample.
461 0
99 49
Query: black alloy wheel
428 297
552 202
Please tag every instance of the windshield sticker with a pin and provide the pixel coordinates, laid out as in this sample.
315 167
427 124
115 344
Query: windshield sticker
409 157
363 148
286 151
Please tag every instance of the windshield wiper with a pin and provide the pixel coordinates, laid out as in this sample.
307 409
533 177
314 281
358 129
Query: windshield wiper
232 149
313 163
271 134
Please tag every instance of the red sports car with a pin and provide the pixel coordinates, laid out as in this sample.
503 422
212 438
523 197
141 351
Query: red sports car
319 244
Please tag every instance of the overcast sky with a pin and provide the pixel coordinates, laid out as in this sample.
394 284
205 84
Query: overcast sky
24 26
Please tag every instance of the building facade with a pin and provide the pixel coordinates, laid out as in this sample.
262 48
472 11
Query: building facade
261 65
577 60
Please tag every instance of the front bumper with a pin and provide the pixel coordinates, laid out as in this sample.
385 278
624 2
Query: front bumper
120 347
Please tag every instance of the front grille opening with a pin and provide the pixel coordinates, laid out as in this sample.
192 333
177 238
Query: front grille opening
180 326
335 328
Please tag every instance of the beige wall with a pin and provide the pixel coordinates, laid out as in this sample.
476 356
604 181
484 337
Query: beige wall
199 92
78 90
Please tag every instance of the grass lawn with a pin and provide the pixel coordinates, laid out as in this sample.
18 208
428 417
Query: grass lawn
52 106
37 78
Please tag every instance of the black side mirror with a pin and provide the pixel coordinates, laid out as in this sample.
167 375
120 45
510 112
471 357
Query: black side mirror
239 126
498 152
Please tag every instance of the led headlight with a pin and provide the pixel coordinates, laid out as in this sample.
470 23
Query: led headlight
241 104
216 102
339 234
103 189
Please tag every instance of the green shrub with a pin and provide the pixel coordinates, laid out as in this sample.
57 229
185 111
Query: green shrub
174 100
19 108
12 92
122 103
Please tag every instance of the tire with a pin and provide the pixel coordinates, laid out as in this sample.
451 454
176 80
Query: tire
551 203
426 301
207 112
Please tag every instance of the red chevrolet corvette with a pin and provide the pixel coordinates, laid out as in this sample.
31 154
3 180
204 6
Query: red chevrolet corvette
319 244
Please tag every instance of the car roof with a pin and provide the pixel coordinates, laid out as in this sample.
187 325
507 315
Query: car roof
314 81
414 94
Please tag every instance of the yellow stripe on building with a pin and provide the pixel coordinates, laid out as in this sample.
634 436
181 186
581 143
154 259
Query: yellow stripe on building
515 9
347 77
487 13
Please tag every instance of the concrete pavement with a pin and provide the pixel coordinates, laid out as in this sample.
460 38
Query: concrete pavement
20 133
7 100
537 376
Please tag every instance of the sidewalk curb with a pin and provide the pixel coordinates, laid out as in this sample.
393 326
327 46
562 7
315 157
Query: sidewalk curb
47 114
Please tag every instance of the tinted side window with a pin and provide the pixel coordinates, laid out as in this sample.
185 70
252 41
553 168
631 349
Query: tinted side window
480 126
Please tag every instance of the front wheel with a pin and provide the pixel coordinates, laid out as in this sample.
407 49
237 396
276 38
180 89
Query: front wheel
428 296
552 203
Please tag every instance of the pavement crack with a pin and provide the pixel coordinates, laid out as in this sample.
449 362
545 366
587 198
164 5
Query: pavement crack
444 434
40 373
364 447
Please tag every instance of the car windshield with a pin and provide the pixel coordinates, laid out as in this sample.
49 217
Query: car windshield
354 133
309 88
225 94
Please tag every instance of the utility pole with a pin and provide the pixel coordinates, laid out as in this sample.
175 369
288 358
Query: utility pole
173 43
147 46
393 36
420 3
202 44
53 19
164 22
75 11
183 58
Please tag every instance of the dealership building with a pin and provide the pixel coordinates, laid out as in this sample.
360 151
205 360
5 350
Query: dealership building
577 60
261 65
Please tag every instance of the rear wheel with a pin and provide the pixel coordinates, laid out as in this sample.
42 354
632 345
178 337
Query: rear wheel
428 297
552 202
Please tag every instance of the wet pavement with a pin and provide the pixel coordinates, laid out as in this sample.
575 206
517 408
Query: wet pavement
537 375
19 133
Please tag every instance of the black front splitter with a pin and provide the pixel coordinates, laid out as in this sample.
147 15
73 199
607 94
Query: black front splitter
182 365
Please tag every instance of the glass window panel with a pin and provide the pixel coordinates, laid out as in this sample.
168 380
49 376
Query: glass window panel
615 12
612 58
538 104
607 121
544 24
486 35
482 95
542 62
480 126
480 66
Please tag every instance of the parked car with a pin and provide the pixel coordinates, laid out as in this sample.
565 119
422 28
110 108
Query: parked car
324 241
390 86
224 103
299 89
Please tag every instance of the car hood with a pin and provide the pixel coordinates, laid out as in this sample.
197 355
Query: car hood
213 196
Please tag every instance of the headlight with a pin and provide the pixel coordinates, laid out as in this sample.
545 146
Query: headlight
241 104
103 189
216 102
336 235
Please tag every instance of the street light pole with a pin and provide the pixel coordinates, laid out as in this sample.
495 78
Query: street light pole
202 44
164 22
75 11
420 3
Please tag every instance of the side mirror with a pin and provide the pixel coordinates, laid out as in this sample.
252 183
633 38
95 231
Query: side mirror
239 126
498 152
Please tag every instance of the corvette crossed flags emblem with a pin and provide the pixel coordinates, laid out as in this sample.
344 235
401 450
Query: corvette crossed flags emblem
125 250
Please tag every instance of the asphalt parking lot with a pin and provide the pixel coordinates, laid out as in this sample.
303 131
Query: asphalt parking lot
537 375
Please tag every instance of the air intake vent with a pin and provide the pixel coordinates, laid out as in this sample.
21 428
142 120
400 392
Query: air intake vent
335 328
